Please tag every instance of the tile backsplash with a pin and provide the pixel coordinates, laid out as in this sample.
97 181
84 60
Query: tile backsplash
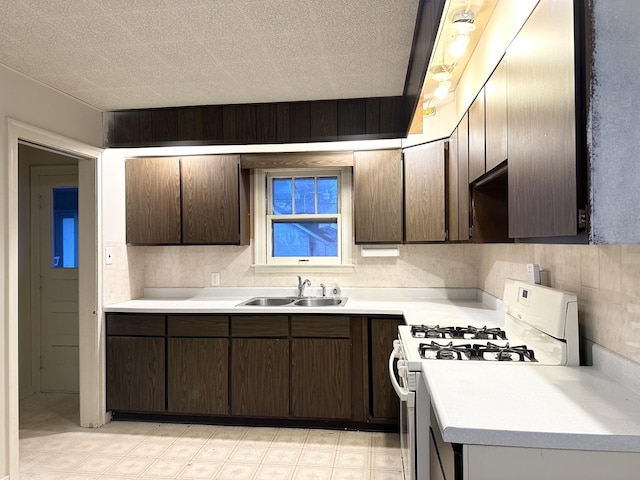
606 279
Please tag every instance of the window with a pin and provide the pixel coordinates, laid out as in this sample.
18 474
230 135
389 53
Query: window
305 217
65 227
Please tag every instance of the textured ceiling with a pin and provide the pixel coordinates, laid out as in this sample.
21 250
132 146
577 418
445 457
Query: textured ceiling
120 54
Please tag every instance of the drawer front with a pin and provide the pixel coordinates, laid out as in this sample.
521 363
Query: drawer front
320 326
134 324
260 326
198 326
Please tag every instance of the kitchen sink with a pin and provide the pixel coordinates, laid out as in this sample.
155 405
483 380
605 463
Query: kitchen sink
320 302
294 302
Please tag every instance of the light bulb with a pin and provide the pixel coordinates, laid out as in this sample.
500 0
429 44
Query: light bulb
459 46
443 89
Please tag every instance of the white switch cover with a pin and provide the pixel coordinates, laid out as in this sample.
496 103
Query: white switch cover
108 255
215 279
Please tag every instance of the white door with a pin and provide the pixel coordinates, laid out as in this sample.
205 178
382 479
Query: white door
56 245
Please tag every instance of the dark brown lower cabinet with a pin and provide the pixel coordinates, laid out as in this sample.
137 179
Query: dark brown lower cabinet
136 373
321 378
260 377
198 375
384 401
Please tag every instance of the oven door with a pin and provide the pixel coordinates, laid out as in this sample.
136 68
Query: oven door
399 377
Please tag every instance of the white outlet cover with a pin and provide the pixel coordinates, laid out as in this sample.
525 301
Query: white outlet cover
108 255
215 279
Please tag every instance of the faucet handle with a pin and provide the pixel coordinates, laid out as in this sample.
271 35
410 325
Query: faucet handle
324 289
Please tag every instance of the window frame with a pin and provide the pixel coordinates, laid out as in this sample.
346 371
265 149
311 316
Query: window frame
263 218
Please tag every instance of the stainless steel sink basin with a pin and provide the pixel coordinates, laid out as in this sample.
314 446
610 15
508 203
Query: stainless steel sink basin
268 301
294 302
320 302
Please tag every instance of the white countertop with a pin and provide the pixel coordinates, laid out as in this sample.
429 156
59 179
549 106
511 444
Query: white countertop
417 305
576 408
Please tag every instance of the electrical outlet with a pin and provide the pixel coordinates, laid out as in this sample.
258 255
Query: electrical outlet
108 255
215 279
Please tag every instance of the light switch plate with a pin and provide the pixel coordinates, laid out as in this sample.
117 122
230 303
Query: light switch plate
215 279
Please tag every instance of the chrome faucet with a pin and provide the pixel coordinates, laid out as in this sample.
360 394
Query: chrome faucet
324 289
301 285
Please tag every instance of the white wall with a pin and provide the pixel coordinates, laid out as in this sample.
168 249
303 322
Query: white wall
31 103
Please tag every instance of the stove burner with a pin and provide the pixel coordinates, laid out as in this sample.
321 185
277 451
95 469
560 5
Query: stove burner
484 333
446 352
506 353
432 331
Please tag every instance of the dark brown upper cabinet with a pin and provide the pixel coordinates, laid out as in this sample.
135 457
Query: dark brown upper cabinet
542 141
211 192
477 165
495 95
153 200
424 192
463 178
378 196
188 200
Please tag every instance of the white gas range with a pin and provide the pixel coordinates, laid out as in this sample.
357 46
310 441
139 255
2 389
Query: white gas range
539 327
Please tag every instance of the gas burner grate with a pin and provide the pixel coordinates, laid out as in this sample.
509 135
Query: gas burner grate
432 331
483 333
505 353
446 352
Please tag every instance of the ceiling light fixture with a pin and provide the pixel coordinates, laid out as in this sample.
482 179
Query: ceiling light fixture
442 72
443 89
462 24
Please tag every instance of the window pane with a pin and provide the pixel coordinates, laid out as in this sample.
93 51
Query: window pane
305 239
328 195
281 196
305 195
65 228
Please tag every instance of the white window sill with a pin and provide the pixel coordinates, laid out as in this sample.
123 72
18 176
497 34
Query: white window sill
303 268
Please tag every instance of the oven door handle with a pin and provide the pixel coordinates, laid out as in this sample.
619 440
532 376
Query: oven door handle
401 391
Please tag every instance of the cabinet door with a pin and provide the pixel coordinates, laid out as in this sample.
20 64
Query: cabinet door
198 375
260 377
542 124
495 96
477 165
153 200
321 378
210 199
384 401
452 188
463 178
136 374
424 202
378 196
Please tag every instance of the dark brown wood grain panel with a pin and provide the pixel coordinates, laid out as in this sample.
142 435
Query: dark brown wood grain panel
495 92
359 370
212 128
126 125
136 374
210 199
198 325
463 178
372 116
146 132
267 123
320 378
153 200
283 123
391 117
260 377
477 165
542 124
190 123
299 122
246 131
198 375
424 192
229 134
384 401
491 209
260 326
378 196
352 115
327 326
324 120
164 124
135 324
452 188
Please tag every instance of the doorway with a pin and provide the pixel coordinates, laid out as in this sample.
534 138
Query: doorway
54 274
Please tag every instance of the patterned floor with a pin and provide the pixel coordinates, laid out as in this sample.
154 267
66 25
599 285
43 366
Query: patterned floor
54 447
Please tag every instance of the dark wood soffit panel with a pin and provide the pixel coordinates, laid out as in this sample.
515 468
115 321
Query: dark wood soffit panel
297 160
424 37
244 124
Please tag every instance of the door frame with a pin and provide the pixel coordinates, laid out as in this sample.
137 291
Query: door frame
91 323
36 320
